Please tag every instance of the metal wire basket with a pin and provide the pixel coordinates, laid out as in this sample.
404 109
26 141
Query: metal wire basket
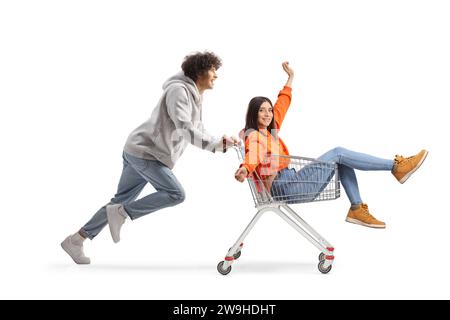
302 180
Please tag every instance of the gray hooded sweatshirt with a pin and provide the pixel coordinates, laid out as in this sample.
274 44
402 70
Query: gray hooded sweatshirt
175 122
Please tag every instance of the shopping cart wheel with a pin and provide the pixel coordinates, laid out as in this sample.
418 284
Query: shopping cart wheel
221 270
322 269
236 255
321 256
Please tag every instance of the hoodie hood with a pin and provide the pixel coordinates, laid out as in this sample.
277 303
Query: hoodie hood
179 111
188 83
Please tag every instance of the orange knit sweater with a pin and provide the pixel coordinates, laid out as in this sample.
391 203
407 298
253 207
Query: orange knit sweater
260 145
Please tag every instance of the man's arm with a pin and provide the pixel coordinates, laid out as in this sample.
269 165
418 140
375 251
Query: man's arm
180 112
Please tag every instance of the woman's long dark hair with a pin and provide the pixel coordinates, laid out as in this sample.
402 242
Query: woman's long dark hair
251 120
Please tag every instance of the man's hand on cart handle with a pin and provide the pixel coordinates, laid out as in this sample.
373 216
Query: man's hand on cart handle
241 174
228 142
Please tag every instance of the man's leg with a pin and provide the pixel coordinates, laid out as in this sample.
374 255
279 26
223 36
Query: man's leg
169 191
130 185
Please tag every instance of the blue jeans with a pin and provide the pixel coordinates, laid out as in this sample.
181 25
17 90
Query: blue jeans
314 177
136 174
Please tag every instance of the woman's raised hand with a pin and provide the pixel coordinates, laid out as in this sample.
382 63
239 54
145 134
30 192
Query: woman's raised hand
288 69
290 73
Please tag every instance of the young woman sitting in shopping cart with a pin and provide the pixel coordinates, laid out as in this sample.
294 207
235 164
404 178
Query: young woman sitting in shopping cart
267 158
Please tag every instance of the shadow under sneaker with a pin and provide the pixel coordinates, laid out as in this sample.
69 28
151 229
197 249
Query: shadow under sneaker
405 167
362 217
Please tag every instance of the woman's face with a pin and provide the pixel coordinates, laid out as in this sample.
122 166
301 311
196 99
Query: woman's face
265 115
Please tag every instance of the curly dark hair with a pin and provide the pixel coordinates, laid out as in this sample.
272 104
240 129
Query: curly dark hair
197 64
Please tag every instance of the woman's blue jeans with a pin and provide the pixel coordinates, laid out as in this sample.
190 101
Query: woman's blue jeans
312 179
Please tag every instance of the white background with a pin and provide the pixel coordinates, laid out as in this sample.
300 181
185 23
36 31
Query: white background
77 76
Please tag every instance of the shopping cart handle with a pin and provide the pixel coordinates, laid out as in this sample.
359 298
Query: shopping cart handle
240 150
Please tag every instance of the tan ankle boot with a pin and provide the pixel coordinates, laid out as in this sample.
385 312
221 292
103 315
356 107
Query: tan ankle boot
405 167
362 217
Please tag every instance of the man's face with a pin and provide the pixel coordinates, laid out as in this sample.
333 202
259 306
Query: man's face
206 81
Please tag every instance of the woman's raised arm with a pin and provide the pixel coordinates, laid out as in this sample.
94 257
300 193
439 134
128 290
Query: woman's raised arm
290 73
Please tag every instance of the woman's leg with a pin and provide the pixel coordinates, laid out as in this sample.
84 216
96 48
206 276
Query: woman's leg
350 183
347 161
304 185
357 160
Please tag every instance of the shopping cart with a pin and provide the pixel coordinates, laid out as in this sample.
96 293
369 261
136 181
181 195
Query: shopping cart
304 180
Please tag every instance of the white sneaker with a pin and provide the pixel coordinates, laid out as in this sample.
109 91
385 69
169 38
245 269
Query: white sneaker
116 218
75 250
